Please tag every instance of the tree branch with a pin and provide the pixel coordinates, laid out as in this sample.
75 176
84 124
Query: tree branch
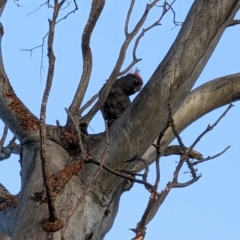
14 113
96 10
4 135
128 17
12 147
202 100
139 124
210 158
210 127
234 22
2 6
52 223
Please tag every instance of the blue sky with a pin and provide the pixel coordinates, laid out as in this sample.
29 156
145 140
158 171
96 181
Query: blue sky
209 209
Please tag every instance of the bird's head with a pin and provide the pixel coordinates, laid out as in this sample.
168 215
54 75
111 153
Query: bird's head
138 82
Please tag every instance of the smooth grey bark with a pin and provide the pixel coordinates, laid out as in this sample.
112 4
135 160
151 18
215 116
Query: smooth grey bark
140 124
131 134
199 102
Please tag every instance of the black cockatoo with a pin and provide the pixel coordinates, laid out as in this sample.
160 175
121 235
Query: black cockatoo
118 98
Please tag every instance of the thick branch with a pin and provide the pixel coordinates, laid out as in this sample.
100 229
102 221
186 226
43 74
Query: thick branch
2 6
13 112
199 102
139 125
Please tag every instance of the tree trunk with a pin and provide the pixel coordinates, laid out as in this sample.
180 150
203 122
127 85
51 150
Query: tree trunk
92 216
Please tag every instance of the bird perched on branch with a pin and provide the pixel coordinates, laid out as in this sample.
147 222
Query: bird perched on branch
118 98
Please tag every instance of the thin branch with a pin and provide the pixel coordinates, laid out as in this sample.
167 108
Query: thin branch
234 22
155 24
43 40
177 170
39 46
87 104
130 66
45 172
73 11
96 10
186 184
210 127
46 3
192 169
146 170
128 17
4 136
174 14
120 174
210 158
173 126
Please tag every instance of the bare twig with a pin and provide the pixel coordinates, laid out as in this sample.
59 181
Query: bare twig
130 66
234 22
39 46
73 11
43 40
210 158
46 3
174 14
155 24
120 174
4 136
87 104
146 170
192 169
210 127
128 17
45 172
186 184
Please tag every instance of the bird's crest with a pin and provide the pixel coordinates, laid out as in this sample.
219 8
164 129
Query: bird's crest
137 75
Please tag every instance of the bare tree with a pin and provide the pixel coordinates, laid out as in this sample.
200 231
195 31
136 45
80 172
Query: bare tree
73 181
